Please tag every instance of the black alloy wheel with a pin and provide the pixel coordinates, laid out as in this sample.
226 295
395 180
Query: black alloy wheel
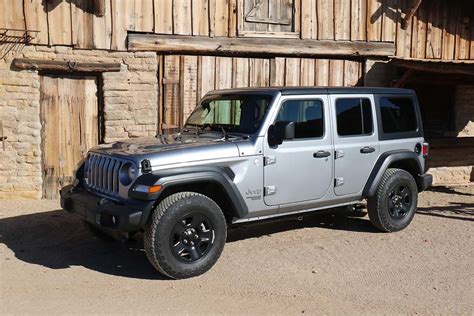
192 237
399 202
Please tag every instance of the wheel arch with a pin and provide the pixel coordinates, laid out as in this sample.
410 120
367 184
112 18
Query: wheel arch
214 182
405 160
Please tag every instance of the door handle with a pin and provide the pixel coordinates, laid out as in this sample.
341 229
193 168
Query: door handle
321 154
367 150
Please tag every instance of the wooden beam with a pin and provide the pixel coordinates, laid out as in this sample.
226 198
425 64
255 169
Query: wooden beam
201 45
410 14
63 65
436 67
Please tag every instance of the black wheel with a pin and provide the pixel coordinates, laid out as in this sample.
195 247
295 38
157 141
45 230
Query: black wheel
185 235
394 204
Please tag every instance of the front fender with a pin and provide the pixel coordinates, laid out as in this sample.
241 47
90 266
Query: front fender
189 175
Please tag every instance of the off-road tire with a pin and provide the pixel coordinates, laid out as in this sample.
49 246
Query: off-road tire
378 205
159 229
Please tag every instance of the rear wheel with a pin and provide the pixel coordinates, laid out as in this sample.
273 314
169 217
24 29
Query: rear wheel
394 204
185 235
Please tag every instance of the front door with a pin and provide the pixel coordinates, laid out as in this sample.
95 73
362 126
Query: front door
300 169
69 116
355 141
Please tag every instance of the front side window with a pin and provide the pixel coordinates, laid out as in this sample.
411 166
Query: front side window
354 117
307 115
234 113
398 115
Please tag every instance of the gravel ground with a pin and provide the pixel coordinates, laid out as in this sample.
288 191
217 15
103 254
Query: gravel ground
329 263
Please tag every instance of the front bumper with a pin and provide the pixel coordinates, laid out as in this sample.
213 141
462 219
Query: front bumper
103 212
424 182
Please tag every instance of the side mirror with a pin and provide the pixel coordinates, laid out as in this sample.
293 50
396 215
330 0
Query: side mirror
280 131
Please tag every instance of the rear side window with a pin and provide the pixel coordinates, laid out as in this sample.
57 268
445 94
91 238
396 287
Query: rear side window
398 115
354 117
307 115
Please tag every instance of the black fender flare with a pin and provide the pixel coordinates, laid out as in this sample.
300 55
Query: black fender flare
221 176
382 164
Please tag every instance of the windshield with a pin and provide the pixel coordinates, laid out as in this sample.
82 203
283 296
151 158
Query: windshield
235 113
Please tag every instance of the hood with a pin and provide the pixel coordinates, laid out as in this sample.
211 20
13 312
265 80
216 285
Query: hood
171 149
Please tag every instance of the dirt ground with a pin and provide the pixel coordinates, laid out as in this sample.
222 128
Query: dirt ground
325 263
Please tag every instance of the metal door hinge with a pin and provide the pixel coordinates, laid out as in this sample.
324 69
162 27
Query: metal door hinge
338 182
270 190
338 154
269 160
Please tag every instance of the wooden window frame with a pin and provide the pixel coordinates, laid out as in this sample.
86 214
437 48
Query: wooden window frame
241 32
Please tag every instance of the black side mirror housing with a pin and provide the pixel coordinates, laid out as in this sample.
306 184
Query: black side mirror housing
280 131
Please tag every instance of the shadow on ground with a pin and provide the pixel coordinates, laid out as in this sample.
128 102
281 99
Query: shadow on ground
58 240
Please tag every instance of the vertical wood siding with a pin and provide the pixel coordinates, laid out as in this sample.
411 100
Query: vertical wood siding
439 30
186 79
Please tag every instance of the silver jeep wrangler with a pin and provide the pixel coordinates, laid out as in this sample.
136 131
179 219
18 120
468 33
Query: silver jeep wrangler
251 154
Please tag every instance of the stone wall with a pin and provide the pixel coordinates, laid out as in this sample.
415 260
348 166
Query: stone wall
130 110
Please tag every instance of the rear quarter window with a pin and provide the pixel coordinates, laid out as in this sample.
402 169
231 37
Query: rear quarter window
398 115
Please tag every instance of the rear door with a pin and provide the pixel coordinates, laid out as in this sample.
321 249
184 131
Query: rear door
294 171
356 142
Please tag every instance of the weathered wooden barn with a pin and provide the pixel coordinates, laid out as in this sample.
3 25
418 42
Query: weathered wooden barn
75 73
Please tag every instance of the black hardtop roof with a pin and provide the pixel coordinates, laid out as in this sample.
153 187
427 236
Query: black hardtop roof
316 90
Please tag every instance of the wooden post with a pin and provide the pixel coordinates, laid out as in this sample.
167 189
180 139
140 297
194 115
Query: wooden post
65 66
410 14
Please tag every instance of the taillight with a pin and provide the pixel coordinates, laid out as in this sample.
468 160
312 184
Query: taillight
425 149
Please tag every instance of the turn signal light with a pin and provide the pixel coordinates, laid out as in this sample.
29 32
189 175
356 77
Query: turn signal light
154 188
425 150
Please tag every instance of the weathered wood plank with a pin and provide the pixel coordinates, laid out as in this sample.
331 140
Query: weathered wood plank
220 12
352 71
292 72
163 16
307 72
359 20
102 28
342 20
389 20
259 70
189 84
434 33
207 74
12 14
233 23
61 65
449 31
418 45
269 46
309 19
182 17
404 35
374 20
172 114
36 19
143 15
200 17
241 72
325 10
223 72
322 72
59 23
277 71
336 72
82 24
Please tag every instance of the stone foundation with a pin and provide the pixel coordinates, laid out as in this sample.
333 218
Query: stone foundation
130 110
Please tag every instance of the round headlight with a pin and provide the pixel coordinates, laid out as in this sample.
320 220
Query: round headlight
128 172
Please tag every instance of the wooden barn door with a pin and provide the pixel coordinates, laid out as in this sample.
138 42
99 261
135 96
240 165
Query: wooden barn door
69 115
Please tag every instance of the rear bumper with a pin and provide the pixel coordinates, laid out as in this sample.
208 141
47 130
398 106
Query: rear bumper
424 182
103 212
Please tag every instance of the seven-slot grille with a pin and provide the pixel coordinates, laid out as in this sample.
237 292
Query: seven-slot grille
103 173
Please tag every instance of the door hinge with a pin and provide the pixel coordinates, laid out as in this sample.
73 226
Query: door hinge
338 154
269 160
338 182
270 190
